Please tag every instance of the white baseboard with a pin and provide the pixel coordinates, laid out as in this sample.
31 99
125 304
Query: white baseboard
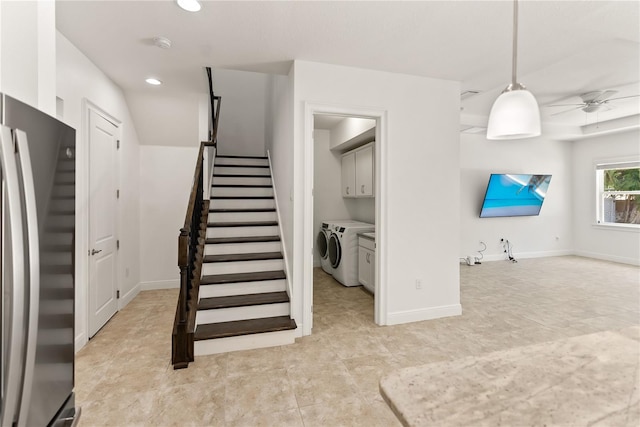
408 316
525 255
80 341
128 297
159 284
605 257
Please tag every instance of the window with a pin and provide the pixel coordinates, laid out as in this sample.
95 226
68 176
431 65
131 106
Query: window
618 186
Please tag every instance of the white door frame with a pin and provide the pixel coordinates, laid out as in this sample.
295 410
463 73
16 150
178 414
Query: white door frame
82 214
380 116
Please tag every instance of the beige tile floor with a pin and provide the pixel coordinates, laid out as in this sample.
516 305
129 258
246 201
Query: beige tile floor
123 376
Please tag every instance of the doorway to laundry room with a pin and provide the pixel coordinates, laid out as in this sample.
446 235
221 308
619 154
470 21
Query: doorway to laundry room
344 223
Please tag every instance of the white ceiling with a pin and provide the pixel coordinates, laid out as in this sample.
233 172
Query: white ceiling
565 47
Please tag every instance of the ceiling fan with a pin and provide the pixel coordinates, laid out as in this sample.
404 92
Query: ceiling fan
592 102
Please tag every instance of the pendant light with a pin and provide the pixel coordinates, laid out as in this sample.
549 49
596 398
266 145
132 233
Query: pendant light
515 114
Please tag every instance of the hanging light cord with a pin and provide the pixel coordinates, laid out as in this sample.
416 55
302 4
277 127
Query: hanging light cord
515 44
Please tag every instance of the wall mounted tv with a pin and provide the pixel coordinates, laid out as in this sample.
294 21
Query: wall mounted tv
514 195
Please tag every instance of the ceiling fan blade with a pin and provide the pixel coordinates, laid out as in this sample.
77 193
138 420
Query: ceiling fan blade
622 97
563 105
606 95
566 111
590 96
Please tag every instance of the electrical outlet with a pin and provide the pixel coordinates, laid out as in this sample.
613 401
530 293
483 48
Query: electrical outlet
418 284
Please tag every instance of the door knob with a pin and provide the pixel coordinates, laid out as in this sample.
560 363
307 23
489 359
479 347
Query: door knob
93 251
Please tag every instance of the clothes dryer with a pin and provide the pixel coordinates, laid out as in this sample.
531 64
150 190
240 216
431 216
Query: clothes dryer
322 245
343 250
322 242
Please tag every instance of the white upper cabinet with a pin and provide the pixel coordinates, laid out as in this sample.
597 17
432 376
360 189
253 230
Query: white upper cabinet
364 172
357 172
349 175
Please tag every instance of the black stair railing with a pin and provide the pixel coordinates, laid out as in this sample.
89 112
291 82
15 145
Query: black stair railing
214 103
191 249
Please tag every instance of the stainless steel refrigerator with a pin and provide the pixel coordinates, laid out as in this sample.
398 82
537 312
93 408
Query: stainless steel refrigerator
37 235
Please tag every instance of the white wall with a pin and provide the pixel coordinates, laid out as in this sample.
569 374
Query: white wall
421 230
166 119
592 240
166 175
328 203
280 144
548 234
28 52
349 128
243 124
78 79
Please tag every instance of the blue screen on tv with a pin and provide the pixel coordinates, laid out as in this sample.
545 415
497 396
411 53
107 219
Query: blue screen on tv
514 195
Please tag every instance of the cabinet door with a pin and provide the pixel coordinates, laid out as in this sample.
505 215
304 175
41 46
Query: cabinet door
364 267
364 172
372 271
349 175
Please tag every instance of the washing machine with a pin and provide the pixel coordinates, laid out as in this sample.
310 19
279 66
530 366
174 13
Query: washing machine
343 250
322 243
322 246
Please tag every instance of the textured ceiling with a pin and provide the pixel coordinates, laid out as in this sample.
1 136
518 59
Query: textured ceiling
565 47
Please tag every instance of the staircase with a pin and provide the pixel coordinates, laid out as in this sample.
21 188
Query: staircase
243 300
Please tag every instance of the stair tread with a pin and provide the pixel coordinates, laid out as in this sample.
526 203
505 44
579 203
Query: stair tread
243 185
255 256
243 224
241 197
258 276
249 239
240 166
243 327
242 210
242 157
242 300
230 175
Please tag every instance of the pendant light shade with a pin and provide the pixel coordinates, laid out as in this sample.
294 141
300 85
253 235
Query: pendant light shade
515 114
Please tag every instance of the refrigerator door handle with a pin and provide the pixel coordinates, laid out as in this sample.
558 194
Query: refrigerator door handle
33 251
13 367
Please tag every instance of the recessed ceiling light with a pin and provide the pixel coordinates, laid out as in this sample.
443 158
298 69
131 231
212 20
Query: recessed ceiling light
189 5
153 81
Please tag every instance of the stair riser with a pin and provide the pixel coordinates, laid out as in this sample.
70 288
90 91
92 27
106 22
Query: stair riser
241 191
242 288
65 177
242 204
242 313
223 170
242 248
61 220
242 231
233 161
64 205
56 258
66 166
232 267
242 216
64 190
244 342
58 238
226 180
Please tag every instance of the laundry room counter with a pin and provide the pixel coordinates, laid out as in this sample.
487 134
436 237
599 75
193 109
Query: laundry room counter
369 235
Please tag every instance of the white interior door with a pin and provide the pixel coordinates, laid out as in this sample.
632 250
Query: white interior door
103 139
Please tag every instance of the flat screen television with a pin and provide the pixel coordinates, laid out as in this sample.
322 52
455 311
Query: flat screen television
514 195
